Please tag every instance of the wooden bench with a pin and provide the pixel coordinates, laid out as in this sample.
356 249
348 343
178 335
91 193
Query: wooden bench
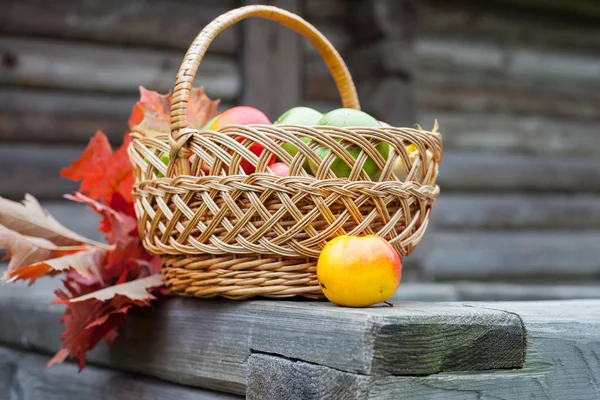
189 348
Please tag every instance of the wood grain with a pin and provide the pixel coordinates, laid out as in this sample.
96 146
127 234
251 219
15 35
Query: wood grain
276 88
486 291
380 340
463 171
481 76
470 19
65 65
58 117
501 255
27 377
274 377
569 70
325 9
469 211
35 169
522 134
562 362
169 24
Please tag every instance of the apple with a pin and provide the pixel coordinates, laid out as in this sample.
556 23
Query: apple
244 115
280 169
211 122
358 271
348 117
299 116
305 116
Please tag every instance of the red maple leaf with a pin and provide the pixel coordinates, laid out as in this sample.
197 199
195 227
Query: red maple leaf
101 171
125 275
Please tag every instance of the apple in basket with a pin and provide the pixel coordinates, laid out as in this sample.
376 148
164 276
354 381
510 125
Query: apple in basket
348 117
243 115
358 271
305 116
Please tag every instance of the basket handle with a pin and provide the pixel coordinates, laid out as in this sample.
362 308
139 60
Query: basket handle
189 66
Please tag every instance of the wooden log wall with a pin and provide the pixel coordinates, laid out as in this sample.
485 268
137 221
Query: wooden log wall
70 68
513 85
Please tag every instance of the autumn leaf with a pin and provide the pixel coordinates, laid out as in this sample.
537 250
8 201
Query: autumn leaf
86 263
24 250
201 108
134 290
94 315
102 172
30 219
115 225
151 115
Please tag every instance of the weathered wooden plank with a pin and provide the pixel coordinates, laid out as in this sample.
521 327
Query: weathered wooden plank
59 64
469 20
335 31
384 18
275 377
23 126
484 291
515 172
325 9
390 96
35 169
568 69
276 88
27 377
505 132
481 76
383 57
446 91
516 211
518 292
207 343
509 255
562 362
64 117
172 24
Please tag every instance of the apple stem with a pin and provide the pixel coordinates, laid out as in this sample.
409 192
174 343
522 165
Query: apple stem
389 304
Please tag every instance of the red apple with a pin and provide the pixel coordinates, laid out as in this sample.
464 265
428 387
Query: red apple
244 115
280 169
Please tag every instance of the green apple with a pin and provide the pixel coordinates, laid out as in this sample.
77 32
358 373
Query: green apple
348 117
165 160
298 116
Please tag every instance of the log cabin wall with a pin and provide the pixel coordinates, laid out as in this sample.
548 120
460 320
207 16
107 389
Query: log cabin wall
513 84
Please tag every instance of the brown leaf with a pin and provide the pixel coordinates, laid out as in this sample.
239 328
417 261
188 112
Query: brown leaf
86 263
151 114
30 219
134 290
24 250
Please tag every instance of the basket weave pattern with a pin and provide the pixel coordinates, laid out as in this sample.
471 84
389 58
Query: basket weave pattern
225 233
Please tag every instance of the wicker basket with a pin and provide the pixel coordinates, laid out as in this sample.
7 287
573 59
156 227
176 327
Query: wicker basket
229 234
